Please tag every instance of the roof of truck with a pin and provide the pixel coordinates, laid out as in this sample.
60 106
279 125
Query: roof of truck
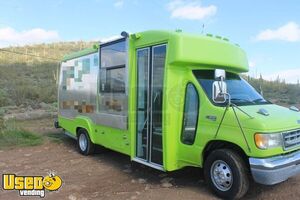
188 49
203 50
80 53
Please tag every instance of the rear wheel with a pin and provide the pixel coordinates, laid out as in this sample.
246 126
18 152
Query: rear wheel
226 174
84 144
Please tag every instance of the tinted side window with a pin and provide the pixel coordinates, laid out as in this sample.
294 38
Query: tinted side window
190 117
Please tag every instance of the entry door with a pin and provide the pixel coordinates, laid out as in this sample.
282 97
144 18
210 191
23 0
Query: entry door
150 74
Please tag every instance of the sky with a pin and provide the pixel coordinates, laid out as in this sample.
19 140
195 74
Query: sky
269 31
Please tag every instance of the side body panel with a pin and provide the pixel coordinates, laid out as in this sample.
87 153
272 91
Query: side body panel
77 91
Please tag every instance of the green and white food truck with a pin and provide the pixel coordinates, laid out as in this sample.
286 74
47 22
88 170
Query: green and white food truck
170 100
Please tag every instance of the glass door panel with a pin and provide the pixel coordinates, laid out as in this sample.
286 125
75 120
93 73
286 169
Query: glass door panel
158 66
142 103
150 76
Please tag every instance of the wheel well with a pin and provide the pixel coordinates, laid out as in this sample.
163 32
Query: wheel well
77 130
219 144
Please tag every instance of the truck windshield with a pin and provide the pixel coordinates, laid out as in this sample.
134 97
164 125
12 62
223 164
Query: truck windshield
241 92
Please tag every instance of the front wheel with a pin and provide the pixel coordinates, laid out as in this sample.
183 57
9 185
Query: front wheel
226 174
85 145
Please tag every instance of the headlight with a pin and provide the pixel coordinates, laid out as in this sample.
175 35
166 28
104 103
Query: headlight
267 141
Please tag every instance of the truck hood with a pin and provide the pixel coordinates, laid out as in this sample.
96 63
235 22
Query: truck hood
277 118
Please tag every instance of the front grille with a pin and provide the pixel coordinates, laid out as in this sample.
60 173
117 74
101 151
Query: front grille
291 139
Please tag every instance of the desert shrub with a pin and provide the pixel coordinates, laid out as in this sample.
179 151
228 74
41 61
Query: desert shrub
1 124
27 84
4 98
11 135
277 90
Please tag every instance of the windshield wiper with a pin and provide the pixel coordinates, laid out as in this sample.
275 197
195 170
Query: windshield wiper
261 100
258 100
243 100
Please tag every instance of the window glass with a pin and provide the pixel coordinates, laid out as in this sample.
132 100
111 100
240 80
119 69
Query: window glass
142 103
113 80
113 55
190 117
158 66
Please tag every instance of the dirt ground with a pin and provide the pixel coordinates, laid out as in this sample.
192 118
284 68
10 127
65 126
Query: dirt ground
110 175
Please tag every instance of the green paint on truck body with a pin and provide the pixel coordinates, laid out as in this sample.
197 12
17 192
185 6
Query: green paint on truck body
83 52
186 53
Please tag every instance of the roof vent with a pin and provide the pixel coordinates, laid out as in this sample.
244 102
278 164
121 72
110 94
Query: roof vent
136 36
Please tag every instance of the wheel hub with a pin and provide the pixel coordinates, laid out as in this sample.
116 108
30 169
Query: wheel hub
221 175
82 142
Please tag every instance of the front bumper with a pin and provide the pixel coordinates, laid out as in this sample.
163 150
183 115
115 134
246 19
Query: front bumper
273 170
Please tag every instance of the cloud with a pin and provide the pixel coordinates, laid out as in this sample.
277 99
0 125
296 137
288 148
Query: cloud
290 75
289 32
191 10
11 37
107 39
252 64
119 4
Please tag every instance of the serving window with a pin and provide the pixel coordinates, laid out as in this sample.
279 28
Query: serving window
113 78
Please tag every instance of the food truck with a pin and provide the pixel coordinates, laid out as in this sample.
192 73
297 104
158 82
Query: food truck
169 100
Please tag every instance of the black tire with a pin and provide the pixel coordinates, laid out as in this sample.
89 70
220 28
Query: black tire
239 183
87 149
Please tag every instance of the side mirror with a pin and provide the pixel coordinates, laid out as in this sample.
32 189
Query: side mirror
219 92
219 87
220 74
